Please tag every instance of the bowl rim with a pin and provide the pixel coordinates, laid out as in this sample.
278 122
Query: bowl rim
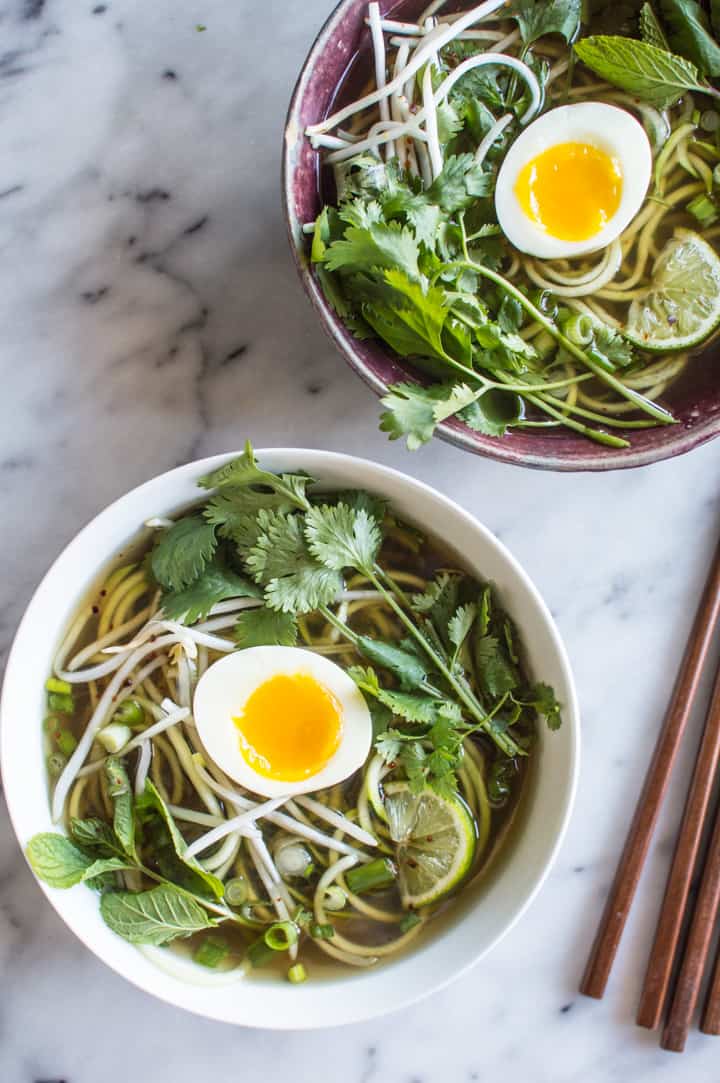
14 686
596 458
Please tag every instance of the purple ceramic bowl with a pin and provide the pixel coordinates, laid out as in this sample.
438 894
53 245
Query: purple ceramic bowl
695 402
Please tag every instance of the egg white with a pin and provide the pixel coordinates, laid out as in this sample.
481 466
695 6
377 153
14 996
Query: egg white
225 687
615 132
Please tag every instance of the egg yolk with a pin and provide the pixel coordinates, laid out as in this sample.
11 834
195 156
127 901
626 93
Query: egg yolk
571 190
290 727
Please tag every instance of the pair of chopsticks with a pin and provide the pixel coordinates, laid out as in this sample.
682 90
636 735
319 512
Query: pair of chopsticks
668 956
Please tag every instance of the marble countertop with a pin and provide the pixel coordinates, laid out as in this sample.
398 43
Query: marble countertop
151 314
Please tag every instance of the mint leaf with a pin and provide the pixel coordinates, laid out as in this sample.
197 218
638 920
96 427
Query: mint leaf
183 553
650 30
536 18
215 585
104 865
55 860
343 537
153 917
96 836
121 794
689 34
265 627
656 76
155 814
244 472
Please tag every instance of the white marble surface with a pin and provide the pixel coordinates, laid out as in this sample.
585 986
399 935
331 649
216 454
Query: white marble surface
150 314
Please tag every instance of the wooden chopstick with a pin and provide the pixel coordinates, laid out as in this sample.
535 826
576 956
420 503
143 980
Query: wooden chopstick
677 890
696 951
632 859
711 1015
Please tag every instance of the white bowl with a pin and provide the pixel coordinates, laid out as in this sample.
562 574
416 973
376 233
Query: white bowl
495 905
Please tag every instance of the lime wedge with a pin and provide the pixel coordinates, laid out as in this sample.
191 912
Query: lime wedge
435 842
682 306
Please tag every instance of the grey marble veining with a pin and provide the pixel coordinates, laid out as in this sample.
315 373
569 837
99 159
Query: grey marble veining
150 314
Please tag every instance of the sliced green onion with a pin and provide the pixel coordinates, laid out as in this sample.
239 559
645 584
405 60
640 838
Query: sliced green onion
334 898
66 741
59 701
307 873
114 737
703 209
211 952
54 684
579 329
259 954
297 974
322 932
709 120
51 723
236 891
409 922
56 764
130 713
378 873
281 936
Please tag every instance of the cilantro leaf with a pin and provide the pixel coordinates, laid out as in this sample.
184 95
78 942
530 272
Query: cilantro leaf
343 537
280 559
542 698
230 507
460 624
460 182
496 675
611 343
492 412
214 585
409 413
409 318
245 472
539 17
183 552
377 245
409 668
412 707
265 627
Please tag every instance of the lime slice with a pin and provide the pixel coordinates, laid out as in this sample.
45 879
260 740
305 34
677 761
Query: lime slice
435 842
682 307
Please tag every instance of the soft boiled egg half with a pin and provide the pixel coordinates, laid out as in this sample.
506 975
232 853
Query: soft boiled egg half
282 720
573 180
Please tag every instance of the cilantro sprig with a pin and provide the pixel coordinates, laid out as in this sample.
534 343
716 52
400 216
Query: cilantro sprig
452 671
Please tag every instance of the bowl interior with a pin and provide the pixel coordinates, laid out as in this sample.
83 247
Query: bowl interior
499 902
342 43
